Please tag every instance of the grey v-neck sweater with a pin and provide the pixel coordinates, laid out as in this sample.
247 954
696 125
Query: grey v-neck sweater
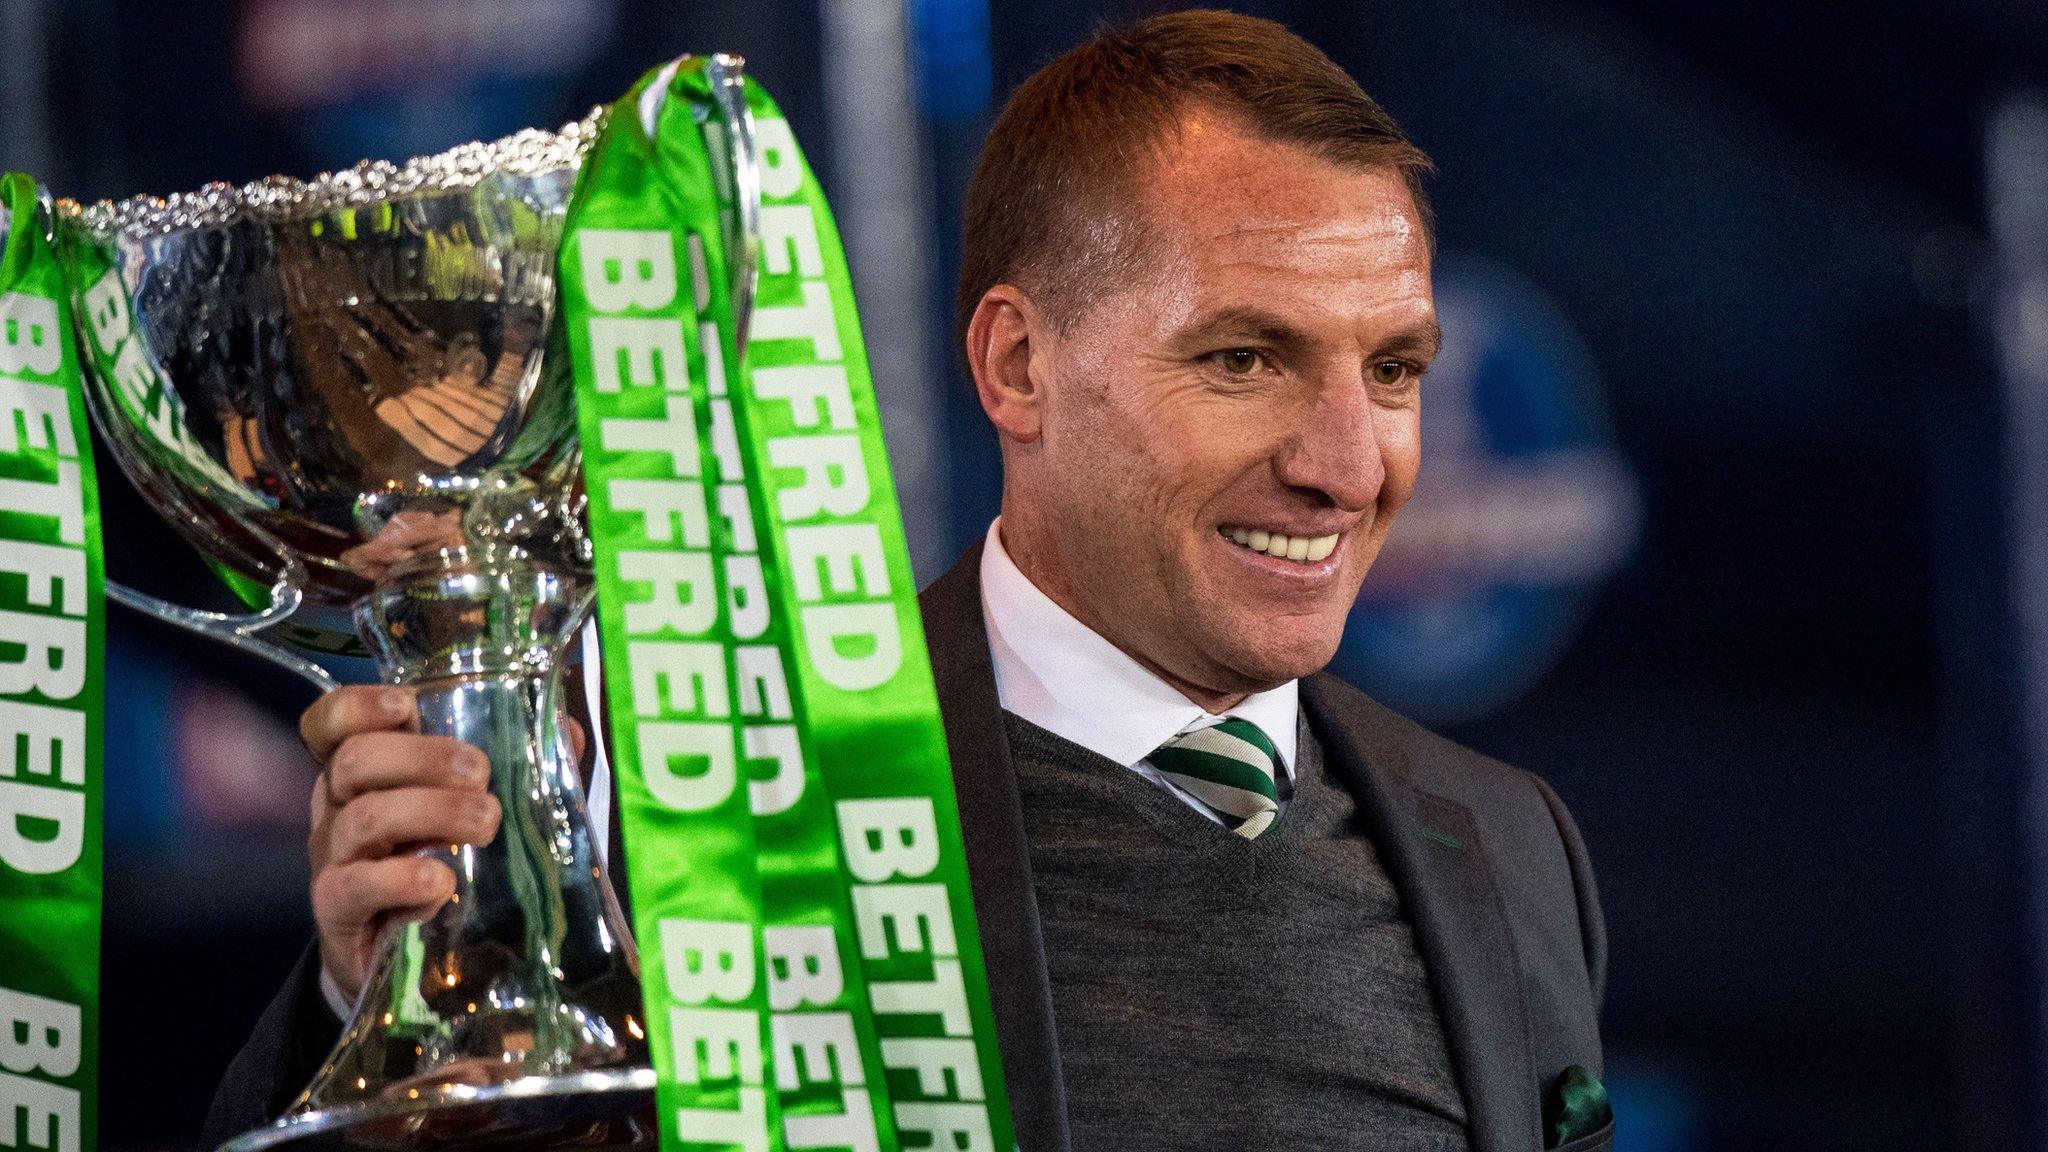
1212 992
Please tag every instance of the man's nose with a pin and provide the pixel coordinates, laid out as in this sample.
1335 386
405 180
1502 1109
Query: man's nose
1335 449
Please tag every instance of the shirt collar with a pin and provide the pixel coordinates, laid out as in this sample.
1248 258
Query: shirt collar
1061 675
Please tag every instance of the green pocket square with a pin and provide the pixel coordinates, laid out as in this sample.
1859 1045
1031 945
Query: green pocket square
1576 1106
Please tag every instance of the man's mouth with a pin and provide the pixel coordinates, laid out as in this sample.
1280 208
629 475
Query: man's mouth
1300 549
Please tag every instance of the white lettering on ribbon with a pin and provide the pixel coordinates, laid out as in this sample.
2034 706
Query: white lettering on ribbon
677 670
42 744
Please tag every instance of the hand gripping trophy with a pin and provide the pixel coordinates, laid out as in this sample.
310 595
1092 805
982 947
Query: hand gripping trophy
446 406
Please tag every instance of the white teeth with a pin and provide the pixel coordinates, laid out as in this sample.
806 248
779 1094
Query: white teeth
1300 549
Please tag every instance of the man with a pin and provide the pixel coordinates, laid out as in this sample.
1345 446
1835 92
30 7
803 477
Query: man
1227 901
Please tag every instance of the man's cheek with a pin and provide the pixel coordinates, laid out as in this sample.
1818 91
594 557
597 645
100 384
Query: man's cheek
1401 452
1364 550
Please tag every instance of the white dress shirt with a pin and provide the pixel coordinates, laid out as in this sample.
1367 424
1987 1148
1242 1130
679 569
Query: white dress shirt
1061 675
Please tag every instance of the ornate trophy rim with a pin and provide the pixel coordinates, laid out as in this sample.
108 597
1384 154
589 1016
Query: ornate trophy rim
282 199
360 379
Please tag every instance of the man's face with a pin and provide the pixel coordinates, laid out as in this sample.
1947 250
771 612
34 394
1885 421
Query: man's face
1254 382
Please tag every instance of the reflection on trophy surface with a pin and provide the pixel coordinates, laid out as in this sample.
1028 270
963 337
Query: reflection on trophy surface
339 390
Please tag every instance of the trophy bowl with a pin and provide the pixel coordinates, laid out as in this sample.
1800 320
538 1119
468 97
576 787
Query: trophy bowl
350 392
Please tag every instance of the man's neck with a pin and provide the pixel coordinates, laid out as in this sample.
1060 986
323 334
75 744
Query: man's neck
1033 558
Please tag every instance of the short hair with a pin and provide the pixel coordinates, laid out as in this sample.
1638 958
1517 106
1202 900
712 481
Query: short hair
1048 207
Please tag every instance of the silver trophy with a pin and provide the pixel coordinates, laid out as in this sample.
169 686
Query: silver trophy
351 393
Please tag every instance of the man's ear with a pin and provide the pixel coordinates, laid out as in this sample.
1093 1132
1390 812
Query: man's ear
999 353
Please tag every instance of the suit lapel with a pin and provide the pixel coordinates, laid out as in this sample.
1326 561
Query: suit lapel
998 860
1433 852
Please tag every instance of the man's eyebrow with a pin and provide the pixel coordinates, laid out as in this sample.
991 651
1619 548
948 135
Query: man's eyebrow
1423 340
1242 321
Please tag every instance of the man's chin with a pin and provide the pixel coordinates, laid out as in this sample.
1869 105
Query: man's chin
1279 659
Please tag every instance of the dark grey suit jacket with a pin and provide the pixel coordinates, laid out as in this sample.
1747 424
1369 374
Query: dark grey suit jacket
1488 864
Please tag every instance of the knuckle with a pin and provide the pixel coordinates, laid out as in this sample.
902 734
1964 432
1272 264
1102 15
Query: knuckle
354 826
329 894
435 755
432 876
420 756
326 719
463 765
309 727
343 767
352 709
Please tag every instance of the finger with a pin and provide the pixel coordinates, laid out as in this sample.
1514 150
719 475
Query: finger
348 898
577 740
375 761
354 708
374 824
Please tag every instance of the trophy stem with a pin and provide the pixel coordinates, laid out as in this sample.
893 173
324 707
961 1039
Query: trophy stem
525 982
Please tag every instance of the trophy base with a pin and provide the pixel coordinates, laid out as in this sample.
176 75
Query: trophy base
605 1111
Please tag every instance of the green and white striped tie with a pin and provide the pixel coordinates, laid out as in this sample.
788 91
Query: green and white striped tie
1230 767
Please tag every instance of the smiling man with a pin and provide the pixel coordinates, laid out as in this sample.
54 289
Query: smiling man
1227 902
1249 907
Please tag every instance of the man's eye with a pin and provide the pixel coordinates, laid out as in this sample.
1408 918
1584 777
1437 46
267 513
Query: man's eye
1388 373
1238 361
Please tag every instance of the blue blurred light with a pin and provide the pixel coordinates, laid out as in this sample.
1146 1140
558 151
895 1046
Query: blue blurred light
142 805
1524 509
1656 1105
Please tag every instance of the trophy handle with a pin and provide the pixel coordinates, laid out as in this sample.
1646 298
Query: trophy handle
232 628
238 629
729 90
235 629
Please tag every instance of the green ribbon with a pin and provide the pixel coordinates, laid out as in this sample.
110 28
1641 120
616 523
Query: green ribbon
830 1079
52 635
752 498
630 322
807 412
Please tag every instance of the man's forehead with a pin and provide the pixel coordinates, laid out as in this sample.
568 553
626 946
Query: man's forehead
1223 192
1378 236
1270 242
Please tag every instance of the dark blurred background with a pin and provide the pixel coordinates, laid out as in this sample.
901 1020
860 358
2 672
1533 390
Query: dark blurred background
1736 470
